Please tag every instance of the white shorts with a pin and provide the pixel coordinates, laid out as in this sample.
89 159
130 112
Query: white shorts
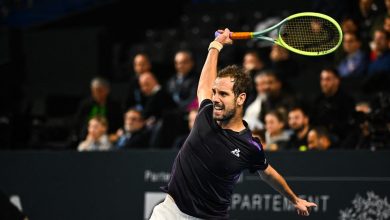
168 210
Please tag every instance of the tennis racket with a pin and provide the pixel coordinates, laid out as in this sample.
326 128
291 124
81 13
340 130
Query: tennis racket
306 33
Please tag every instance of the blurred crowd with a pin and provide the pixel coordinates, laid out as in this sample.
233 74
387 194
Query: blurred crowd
350 111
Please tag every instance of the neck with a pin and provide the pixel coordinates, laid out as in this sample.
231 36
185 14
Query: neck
303 132
234 124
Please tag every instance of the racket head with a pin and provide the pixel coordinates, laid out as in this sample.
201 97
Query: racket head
310 34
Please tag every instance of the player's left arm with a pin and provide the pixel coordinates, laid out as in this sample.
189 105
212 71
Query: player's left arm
274 179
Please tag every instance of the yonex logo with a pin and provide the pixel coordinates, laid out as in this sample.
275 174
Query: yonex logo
236 152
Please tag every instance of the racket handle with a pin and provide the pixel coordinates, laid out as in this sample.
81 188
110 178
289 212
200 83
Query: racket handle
238 35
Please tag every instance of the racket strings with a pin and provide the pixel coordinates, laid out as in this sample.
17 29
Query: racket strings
310 34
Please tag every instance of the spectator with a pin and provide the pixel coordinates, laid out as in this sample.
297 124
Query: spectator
141 64
98 104
283 65
355 62
380 53
182 86
319 139
179 141
252 112
97 138
157 101
252 64
276 98
333 108
276 136
298 121
134 133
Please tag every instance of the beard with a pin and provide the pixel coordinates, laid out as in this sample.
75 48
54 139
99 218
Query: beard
223 114
299 129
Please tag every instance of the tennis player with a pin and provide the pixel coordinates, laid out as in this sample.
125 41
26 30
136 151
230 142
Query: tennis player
219 147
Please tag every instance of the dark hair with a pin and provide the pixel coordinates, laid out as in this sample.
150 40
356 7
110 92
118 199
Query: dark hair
321 131
299 108
332 70
242 81
279 114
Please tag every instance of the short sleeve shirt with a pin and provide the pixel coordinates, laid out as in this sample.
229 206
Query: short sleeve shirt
209 164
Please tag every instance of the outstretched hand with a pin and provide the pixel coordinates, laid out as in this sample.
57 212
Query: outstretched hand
302 206
224 37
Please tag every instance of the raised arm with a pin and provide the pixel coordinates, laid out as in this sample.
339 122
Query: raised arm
274 179
209 70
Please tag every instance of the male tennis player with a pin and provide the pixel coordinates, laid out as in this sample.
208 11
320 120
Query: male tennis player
219 147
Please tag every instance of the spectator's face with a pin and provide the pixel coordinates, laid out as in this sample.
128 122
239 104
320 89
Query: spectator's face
313 141
381 44
350 43
386 25
365 5
329 83
251 62
278 53
141 64
96 129
183 63
387 3
297 120
147 82
191 119
224 100
133 121
99 93
273 125
348 25
261 84
272 86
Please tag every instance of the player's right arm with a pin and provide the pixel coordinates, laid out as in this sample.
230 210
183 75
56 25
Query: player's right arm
209 70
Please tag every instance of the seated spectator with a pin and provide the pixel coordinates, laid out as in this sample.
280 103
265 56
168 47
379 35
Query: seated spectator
157 101
98 104
252 112
380 54
283 65
333 108
276 136
276 98
355 62
183 85
319 138
179 141
298 121
252 64
141 64
97 138
134 133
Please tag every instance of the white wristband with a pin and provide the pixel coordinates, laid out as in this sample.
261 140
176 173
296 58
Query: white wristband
216 45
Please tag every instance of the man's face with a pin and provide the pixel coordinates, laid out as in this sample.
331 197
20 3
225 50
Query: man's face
329 83
99 93
223 99
251 62
147 83
380 41
297 120
141 64
133 121
272 86
261 84
313 141
183 63
350 43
